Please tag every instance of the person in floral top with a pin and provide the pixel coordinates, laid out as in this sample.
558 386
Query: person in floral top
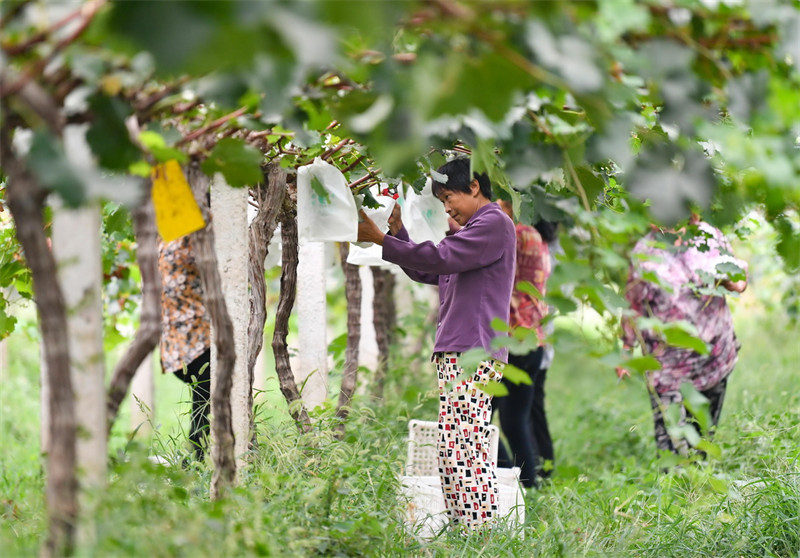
186 332
522 414
682 276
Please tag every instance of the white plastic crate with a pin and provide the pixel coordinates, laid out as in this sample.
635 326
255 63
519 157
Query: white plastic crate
426 514
423 455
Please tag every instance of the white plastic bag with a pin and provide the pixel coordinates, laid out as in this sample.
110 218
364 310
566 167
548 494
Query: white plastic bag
321 220
424 216
370 256
379 215
367 253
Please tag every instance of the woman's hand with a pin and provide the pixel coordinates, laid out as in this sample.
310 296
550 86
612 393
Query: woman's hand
454 226
395 222
368 231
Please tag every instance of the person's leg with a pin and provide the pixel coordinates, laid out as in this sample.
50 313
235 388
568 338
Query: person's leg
716 397
447 371
515 411
664 441
503 454
538 418
199 374
475 476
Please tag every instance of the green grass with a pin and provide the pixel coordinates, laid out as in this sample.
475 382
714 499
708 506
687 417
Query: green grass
312 495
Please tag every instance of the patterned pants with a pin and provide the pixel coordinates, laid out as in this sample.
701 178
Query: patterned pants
715 395
466 469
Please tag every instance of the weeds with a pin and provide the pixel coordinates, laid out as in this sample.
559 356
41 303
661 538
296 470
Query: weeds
311 495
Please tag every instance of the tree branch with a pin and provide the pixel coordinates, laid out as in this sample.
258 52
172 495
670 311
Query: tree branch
36 38
61 483
146 338
222 451
269 199
88 10
283 366
352 292
209 127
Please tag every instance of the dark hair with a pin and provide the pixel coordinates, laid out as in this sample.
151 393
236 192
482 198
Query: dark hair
458 179
547 230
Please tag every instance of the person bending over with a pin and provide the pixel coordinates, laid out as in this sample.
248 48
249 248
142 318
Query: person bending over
474 270
685 263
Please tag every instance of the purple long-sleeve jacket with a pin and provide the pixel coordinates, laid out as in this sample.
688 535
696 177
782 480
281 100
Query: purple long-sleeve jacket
474 269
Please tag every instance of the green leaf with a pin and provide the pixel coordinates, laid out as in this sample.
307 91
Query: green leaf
369 199
487 82
642 364
338 346
178 34
117 220
619 16
157 146
713 450
788 243
671 178
7 322
568 54
678 337
529 288
108 136
140 168
47 161
516 375
319 190
563 304
686 431
493 388
733 271
697 404
9 271
592 184
498 324
238 162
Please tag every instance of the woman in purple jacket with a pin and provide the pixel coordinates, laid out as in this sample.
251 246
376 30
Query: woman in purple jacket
474 270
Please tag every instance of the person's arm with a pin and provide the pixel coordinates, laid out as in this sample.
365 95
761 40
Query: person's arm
397 230
720 243
413 274
454 227
474 246
635 292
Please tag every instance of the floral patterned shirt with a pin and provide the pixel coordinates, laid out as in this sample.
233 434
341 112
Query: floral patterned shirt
533 265
673 282
185 327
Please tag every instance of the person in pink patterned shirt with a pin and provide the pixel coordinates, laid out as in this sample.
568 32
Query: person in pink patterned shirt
681 276
522 413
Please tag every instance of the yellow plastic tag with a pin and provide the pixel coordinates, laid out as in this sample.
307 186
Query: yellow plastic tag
177 213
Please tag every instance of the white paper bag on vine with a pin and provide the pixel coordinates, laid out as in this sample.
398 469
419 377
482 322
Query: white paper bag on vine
367 253
326 210
424 216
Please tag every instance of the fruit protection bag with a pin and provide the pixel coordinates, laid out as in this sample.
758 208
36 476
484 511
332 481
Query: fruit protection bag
326 209
367 253
424 216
